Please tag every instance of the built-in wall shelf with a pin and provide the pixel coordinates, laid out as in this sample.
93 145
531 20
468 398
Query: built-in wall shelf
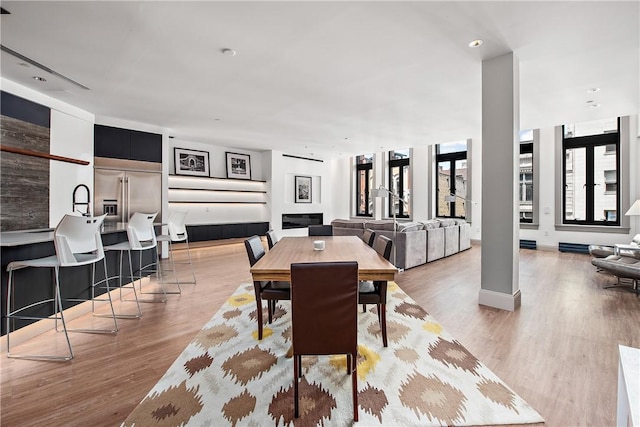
225 203
206 189
212 178
220 199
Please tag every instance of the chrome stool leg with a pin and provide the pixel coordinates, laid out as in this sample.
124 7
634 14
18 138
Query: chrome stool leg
93 302
58 314
173 269
139 278
193 274
121 286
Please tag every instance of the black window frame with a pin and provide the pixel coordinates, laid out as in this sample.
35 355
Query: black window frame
589 142
525 148
452 158
368 168
400 164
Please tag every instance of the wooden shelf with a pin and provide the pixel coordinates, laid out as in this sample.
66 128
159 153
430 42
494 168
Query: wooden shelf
219 203
216 189
214 177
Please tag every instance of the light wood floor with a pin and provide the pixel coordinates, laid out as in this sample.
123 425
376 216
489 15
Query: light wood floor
559 351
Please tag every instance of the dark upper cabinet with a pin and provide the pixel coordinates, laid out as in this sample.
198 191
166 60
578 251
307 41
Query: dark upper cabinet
128 144
146 146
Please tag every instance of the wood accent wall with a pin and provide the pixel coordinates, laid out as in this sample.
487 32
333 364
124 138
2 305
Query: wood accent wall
24 180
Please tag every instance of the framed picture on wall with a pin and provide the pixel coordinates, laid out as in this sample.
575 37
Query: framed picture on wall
191 162
238 166
303 189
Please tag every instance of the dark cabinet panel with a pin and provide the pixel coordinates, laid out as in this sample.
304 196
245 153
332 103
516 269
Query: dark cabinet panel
198 233
111 142
146 146
127 144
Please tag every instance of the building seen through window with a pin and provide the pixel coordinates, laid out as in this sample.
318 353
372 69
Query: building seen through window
525 187
591 172
451 180
399 183
364 183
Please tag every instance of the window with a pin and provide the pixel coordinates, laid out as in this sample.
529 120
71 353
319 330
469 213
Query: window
399 183
364 182
525 187
591 173
610 181
451 180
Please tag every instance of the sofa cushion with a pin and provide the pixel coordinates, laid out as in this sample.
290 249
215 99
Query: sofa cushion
447 222
465 236
383 224
435 243
432 223
405 227
348 223
451 240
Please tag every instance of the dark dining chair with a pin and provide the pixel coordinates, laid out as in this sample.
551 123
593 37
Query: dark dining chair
369 236
272 239
376 292
321 230
324 300
270 291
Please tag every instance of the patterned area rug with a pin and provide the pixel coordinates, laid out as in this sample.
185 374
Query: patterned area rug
424 377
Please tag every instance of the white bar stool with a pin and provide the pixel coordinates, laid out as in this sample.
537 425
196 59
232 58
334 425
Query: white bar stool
140 237
177 234
77 242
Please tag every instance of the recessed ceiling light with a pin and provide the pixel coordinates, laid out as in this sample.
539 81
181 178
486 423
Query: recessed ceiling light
229 52
593 105
589 102
476 43
40 79
593 89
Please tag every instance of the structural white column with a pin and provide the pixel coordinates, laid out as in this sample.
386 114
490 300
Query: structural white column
500 166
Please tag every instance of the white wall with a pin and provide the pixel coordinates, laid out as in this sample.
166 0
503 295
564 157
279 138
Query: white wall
220 213
420 182
71 135
217 158
281 181
547 237
342 180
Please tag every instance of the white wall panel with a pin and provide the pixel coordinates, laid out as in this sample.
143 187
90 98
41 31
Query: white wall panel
70 137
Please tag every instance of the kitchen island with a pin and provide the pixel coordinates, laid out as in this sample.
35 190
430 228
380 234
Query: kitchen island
37 284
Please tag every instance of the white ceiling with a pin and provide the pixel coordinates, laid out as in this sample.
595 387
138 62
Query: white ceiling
323 78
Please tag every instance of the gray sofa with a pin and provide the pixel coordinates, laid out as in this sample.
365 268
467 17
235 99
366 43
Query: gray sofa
416 242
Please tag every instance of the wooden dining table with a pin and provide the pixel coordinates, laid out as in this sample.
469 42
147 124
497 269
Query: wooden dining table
276 264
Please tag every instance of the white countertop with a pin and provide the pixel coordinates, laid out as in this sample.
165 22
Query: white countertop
43 235
629 385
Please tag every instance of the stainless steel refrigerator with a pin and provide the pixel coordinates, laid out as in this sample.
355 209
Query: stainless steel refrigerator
123 187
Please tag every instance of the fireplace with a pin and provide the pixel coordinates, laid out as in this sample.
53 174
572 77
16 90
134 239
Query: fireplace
301 220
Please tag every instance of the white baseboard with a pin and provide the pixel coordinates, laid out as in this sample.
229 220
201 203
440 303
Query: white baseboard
500 300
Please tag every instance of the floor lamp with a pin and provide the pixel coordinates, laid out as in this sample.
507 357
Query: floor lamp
452 198
383 193
634 210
